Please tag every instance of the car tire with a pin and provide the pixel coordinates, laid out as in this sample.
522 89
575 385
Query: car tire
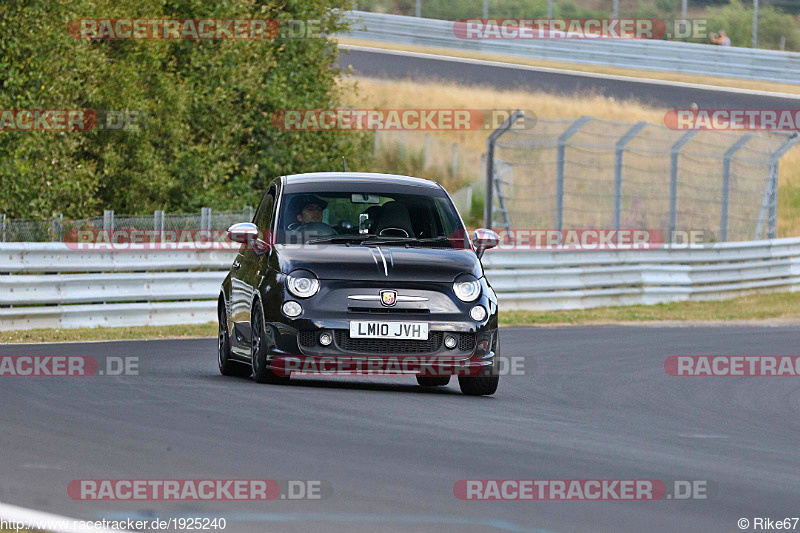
262 373
479 385
433 381
227 365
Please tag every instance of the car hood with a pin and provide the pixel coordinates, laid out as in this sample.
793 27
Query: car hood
377 263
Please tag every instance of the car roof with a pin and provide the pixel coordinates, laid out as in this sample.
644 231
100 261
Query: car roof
332 181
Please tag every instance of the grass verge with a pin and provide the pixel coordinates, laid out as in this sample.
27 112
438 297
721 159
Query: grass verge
105 334
778 307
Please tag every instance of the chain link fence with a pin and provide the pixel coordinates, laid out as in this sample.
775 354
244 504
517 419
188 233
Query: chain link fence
599 174
56 228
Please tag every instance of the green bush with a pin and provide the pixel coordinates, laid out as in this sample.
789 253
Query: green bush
205 137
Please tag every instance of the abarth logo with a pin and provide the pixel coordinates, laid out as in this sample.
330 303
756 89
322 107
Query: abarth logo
388 298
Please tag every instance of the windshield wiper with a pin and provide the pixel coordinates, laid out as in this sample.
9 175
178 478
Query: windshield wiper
338 238
407 240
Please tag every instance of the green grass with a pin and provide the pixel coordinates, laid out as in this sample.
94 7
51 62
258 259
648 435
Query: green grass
104 334
766 306
778 307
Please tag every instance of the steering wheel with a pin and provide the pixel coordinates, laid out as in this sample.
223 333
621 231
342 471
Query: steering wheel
320 229
393 232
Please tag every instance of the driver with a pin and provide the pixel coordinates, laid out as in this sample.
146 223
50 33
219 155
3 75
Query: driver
310 208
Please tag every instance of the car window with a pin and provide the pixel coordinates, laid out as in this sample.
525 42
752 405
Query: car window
365 214
263 215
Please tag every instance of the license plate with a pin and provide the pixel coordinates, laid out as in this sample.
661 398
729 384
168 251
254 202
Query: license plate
371 329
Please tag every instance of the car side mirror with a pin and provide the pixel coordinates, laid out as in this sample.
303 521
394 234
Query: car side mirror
484 239
247 233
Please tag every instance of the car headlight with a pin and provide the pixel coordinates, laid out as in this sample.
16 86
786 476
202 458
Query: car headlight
302 284
467 290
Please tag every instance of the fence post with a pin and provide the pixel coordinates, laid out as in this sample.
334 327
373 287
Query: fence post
673 180
726 184
376 142
248 213
628 137
205 218
3 225
455 159
56 227
770 202
560 162
108 220
490 142
158 222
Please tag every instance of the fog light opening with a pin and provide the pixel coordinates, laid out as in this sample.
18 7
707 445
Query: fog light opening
325 339
450 342
292 309
478 313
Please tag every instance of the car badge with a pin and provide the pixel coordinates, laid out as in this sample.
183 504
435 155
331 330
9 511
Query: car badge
388 298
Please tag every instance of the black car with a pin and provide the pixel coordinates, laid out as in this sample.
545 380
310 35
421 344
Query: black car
356 269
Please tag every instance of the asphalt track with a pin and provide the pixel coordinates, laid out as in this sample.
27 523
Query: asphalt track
388 64
593 403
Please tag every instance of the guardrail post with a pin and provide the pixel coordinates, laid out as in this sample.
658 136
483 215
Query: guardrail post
726 183
770 202
560 162
248 213
108 220
427 160
673 180
376 142
455 159
490 142
3 226
628 137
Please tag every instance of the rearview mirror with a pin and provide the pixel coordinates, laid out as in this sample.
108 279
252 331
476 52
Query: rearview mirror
484 239
247 233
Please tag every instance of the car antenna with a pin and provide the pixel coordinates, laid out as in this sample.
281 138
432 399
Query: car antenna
344 167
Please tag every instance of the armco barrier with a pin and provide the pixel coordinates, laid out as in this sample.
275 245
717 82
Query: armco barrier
47 285
671 56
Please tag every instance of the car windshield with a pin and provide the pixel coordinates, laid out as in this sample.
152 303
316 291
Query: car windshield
364 218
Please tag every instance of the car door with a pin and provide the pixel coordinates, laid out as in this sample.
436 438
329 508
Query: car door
246 274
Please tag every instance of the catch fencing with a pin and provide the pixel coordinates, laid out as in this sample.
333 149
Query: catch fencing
57 228
590 173
669 56
48 285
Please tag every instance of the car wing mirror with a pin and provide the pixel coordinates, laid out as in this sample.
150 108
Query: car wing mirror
484 239
247 233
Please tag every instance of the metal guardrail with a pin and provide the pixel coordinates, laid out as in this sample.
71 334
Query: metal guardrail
47 285
670 56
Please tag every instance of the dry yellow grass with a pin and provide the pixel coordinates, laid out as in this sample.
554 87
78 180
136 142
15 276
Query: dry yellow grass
599 69
374 94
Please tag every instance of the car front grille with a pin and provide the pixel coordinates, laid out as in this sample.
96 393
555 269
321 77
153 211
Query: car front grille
387 346
466 342
308 338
